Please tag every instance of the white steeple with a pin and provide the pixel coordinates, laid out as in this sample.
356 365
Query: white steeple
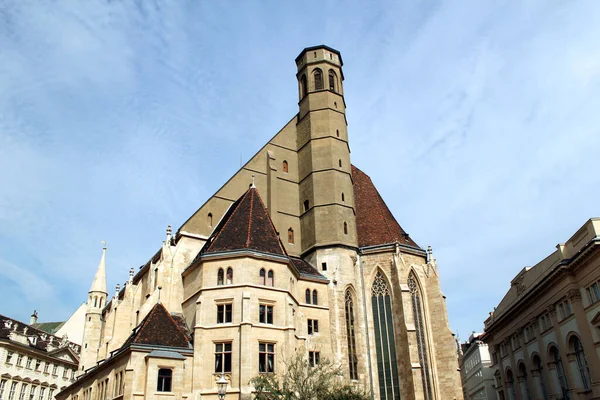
99 284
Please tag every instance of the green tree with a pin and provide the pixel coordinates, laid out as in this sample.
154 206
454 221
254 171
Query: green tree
304 382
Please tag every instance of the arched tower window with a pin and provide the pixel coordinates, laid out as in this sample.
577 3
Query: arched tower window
340 162
387 364
417 308
306 205
95 301
307 296
285 167
337 132
262 276
209 220
290 236
270 278
303 86
318 75
315 299
537 366
350 333
343 198
332 80
101 302
220 276
560 371
229 276
345 228
582 365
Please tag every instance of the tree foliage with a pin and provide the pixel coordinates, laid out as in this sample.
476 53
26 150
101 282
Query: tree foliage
303 382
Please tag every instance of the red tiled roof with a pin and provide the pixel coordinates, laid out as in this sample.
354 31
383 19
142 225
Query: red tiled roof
160 329
246 226
375 223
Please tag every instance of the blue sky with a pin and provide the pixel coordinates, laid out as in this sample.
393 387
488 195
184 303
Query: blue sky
478 121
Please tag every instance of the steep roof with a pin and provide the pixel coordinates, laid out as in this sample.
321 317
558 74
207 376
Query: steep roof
159 329
99 283
305 269
375 223
49 327
246 226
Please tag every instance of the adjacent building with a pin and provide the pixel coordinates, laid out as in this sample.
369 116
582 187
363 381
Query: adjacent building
544 336
297 252
476 375
34 365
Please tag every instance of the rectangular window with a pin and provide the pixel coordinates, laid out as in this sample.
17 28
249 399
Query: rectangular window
593 292
314 357
224 313
28 364
38 364
41 396
50 394
54 369
46 366
32 392
9 356
222 358
19 359
65 372
164 380
324 266
23 390
2 386
13 390
266 357
265 314
313 326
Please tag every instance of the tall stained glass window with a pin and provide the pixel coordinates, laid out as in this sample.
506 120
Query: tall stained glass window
417 307
387 365
350 332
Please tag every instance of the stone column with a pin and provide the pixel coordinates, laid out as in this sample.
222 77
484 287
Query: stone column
515 371
587 341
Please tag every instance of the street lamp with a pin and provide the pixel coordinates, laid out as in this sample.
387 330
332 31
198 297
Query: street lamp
222 387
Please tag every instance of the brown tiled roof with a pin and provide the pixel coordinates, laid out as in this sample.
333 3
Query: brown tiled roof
160 329
305 269
375 223
246 226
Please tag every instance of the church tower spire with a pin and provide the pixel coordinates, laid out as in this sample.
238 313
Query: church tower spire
93 317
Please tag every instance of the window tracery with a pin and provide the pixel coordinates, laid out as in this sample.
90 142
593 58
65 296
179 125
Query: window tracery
417 308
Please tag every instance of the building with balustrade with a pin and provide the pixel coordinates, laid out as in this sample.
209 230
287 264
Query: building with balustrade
544 336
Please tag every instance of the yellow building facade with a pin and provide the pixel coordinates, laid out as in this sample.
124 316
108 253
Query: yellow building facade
296 252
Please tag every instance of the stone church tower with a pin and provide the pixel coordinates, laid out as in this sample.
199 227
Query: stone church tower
297 251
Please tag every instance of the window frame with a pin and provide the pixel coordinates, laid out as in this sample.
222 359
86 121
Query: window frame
164 382
266 314
224 310
223 356
266 353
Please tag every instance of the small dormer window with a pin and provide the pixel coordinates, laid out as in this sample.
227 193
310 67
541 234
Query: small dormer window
164 380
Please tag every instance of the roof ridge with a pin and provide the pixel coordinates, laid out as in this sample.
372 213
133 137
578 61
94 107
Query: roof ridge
274 228
250 217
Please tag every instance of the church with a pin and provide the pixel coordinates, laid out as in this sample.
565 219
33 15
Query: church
296 252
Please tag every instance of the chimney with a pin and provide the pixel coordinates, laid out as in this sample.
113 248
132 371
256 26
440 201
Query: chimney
34 318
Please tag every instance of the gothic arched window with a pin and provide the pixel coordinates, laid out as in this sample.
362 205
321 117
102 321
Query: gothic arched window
350 333
387 364
345 228
331 80
417 308
290 236
307 296
220 276
582 365
209 220
229 276
262 276
315 299
285 167
318 79
270 280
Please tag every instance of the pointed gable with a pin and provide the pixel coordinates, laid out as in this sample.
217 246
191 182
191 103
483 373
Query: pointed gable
246 226
160 329
375 223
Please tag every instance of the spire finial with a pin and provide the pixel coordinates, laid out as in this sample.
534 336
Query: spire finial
103 244
253 184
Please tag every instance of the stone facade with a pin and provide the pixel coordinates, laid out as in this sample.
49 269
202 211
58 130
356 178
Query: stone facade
34 365
341 277
544 335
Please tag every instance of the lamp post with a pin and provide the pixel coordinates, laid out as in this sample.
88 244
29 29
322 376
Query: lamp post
222 387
